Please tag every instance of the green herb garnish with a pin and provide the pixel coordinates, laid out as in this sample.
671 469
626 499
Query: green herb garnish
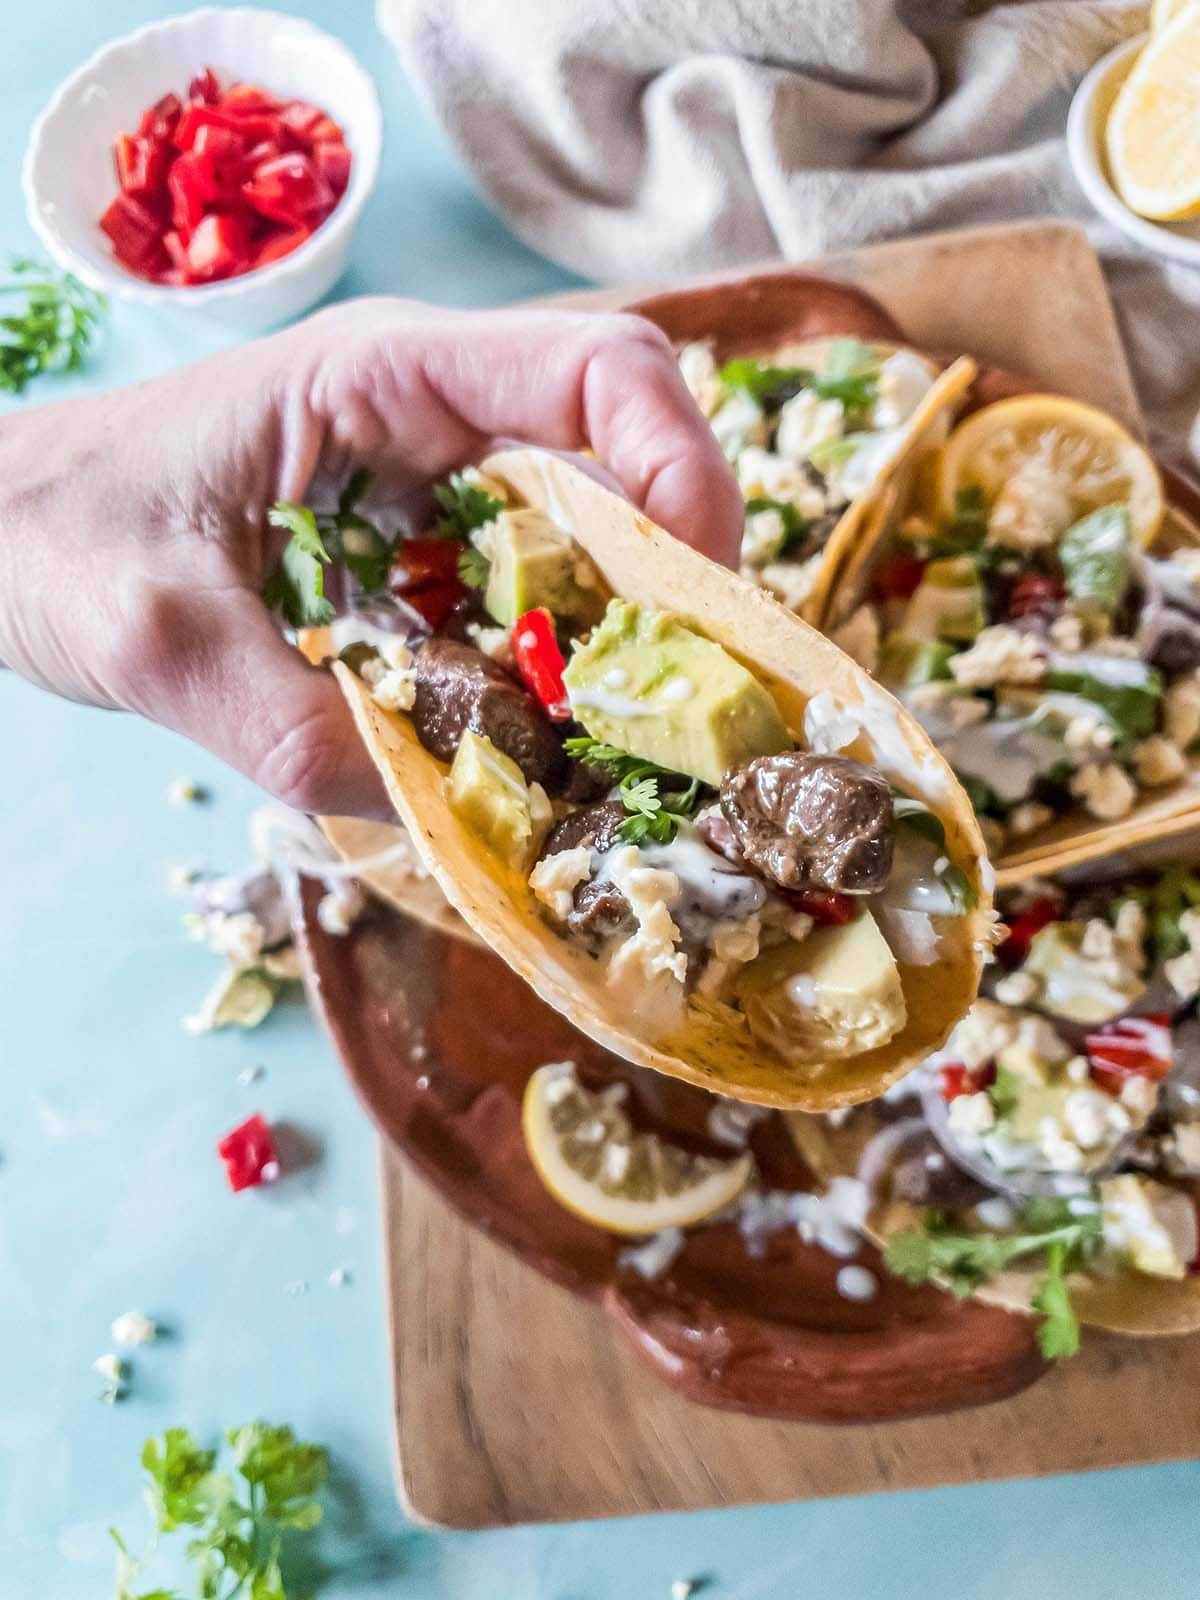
654 813
464 507
1097 556
794 525
54 330
844 380
1132 708
1173 891
474 568
297 586
239 1521
963 1261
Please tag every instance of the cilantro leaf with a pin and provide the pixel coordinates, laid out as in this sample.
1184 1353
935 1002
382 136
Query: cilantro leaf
1133 708
962 1260
54 329
297 586
654 813
474 568
762 381
849 377
966 532
464 506
1058 1331
239 1532
1097 556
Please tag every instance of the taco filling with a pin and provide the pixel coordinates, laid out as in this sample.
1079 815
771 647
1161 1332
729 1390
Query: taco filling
635 784
1057 1133
1055 662
808 432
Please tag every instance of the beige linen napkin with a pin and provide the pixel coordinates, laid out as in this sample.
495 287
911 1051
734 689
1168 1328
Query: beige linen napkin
646 139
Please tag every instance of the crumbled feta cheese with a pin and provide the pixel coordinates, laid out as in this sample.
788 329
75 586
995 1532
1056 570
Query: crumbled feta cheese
698 368
1105 789
828 725
1094 1118
1181 711
971 1114
763 536
981 1035
1139 1219
186 791
112 1370
857 1283
1183 972
737 941
494 642
134 1327
650 891
1029 817
738 422
556 877
1036 1035
1186 1138
1077 1070
392 677
1088 734
1034 507
1158 761
1000 654
1061 1153
806 422
654 1255
791 582
1066 633
1016 988
765 475
339 1278
904 381
995 1212
1139 1096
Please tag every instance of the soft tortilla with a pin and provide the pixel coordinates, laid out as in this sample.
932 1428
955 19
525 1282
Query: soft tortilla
714 1048
1128 1302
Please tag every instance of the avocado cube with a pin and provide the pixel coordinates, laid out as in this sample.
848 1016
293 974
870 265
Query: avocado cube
648 685
535 563
488 792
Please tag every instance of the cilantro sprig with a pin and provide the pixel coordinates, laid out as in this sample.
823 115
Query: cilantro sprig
1164 899
239 1515
963 1261
297 586
464 506
849 376
54 328
653 813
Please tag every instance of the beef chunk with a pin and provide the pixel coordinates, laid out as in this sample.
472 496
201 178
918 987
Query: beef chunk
458 687
1177 648
599 910
719 837
812 821
925 1176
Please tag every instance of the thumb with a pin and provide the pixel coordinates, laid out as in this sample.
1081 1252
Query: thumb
234 685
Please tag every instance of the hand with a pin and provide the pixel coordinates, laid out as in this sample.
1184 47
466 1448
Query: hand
135 535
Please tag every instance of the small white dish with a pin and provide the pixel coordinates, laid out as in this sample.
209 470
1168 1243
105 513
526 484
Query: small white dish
68 176
1086 147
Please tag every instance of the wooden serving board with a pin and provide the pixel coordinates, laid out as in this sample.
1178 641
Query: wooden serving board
517 1402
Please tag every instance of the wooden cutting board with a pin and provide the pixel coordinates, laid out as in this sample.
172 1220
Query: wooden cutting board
516 1402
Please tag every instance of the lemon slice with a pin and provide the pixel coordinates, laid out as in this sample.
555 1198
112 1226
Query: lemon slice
1154 127
1164 12
1051 458
593 1162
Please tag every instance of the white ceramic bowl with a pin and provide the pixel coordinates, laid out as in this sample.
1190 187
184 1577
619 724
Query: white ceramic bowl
68 174
1086 146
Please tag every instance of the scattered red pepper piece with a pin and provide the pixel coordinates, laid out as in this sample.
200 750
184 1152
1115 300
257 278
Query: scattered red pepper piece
249 1154
1023 927
899 576
252 174
1131 1047
956 1079
540 661
823 905
424 574
1034 595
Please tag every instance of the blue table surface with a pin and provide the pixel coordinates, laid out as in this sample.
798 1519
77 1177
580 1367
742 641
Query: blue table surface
111 1197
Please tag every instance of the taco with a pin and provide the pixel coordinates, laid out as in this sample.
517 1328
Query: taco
595 755
817 403
1036 606
1047 1157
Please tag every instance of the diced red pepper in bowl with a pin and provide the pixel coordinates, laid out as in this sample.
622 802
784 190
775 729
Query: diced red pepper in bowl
229 181
249 1154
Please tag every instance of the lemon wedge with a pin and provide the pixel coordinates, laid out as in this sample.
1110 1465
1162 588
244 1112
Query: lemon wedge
592 1161
1154 127
1062 457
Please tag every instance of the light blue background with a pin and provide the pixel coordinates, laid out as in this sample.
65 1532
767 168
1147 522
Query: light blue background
111 1196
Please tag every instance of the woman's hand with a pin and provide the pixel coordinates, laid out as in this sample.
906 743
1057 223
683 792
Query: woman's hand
135 539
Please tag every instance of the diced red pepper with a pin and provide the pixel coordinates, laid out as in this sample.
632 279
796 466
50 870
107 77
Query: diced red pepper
300 116
176 249
134 232
142 164
823 905
205 86
1035 595
1023 927
289 189
327 131
217 247
899 576
421 561
247 99
159 121
1131 1047
333 161
540 661
957 1079
249 1154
